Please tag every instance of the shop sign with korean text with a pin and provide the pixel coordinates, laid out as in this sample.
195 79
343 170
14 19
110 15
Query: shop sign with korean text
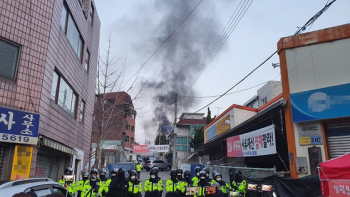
18 126
255 143
140 148
158 148
310 133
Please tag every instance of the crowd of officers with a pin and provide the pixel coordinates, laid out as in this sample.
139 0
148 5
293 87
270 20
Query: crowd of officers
120 185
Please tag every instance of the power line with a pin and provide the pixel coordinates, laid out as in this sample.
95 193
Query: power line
164 42
313 19
200 97
226 32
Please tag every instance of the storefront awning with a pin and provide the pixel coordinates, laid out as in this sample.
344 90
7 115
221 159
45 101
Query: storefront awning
56 145
213 144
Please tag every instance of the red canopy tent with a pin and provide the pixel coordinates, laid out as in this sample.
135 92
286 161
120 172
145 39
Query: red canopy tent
335 176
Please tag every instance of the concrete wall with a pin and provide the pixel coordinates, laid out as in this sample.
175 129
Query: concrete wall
270 91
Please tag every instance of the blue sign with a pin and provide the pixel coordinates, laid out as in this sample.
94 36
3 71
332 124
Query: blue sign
324 103
18 126
316 140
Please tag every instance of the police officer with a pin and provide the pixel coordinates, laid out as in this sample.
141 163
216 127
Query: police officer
225 187
172 185
182 183
94 171
68 184
138 168
213 177
92 188
81 184
119 186
207 174
114 173
103 180
187 175
202 183
196 177
238 184
135 186
154 184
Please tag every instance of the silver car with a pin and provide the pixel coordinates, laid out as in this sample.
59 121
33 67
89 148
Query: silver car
157 163
40 186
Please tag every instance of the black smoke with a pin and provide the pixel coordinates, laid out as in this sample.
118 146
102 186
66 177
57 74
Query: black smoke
181 56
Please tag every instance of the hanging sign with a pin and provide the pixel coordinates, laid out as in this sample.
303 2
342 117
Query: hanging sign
255 143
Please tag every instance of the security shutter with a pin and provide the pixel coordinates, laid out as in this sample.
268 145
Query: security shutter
338 139
4 160
50 165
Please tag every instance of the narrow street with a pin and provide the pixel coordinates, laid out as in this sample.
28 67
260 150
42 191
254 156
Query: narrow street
162 174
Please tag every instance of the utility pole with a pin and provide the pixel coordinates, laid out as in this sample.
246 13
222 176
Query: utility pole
159 133
218 110
174 138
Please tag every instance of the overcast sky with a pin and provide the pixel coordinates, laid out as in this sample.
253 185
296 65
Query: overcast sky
140 26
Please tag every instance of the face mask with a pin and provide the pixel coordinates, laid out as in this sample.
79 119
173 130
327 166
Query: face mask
218 179
202 177
85 178
102 174
133 177
197 174
113 176
179 174
153 176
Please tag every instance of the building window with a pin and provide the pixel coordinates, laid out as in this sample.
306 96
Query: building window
87 60
8 60
64 95
127 127
81 110
91 14
126 138
132 140
133 116
264 101
72 32
132 128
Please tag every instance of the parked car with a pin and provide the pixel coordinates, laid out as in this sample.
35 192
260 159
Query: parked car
40 186
157 163
126 165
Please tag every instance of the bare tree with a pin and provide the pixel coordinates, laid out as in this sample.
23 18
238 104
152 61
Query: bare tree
110 110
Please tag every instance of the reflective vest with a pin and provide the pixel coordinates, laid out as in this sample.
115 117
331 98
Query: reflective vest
69 186
81 185
195 179
182 184
240 187
225 187
106 186
135 187
172 186
150 186
88 191
138 167
201 189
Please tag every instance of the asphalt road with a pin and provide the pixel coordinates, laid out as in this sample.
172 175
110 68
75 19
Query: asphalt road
165 175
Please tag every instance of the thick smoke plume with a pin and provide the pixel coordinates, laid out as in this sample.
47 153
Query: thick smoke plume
181 56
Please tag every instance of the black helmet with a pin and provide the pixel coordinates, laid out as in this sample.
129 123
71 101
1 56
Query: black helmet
202 173
173 172
94 171
86 175
187 173
103 171
217 174
179 171
206 170
121 172
213 173
154 171
197 169
132 172
69 169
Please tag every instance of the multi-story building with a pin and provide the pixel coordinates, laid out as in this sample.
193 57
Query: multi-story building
114 127
48 64
264 94
184 131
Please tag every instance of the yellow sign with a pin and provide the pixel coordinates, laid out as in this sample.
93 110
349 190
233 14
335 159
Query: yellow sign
205 136
305 141
22 160
221 126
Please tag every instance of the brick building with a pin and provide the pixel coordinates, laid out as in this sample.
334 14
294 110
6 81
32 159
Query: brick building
113 127
48 64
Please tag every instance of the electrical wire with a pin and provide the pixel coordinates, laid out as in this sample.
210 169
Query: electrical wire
200 97
221 41
160 46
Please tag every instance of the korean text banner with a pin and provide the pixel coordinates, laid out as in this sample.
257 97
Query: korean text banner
158 148
140 148
18 126
255 143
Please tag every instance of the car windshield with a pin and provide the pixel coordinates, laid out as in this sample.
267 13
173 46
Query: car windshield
148 161
127 167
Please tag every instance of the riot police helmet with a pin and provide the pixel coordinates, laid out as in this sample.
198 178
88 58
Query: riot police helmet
202 174
121 172
154 170
179 172
93 178
213 173
197 169
217 176
94 171
187 174
86 175
173 172
103 171
68 171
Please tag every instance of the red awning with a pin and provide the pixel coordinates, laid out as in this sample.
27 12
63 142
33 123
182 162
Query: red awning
335 176
338 168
